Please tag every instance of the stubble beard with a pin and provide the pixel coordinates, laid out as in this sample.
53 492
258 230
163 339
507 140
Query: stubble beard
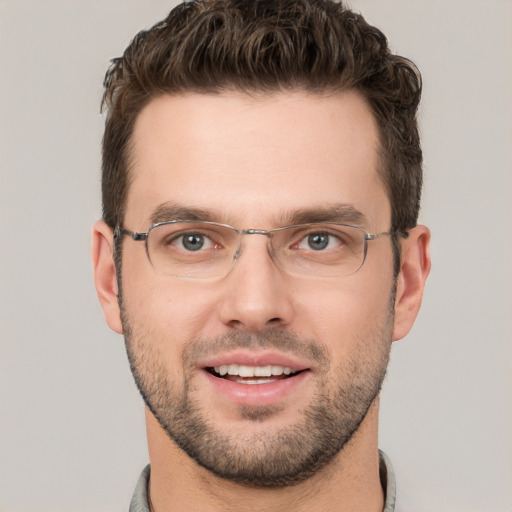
262 457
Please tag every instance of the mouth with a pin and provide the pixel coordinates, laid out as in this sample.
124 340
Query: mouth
255 378
245 374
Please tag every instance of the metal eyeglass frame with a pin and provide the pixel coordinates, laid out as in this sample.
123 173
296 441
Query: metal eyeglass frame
139 237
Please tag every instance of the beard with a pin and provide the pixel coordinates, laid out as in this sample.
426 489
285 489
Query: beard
260 456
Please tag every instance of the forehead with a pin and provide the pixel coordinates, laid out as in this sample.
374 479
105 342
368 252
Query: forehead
251 160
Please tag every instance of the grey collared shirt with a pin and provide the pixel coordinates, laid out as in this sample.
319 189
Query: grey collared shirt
140 502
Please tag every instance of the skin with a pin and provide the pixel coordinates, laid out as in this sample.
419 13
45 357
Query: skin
253 161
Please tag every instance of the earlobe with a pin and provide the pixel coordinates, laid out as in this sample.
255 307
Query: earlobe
105 276
414 270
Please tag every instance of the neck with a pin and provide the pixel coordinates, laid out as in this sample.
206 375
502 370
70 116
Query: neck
348 483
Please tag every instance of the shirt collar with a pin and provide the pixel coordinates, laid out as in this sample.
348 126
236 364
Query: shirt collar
140 502
388 482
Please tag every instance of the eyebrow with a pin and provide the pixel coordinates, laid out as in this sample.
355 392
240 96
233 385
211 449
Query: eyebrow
170 211
337 213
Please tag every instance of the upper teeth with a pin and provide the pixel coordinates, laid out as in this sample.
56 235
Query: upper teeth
252 371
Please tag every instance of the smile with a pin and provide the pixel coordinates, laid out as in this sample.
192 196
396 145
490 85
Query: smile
255 378
245 374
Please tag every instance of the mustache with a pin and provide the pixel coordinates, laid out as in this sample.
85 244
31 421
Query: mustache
277 339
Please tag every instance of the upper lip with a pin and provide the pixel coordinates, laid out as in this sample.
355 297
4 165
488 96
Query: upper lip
259 358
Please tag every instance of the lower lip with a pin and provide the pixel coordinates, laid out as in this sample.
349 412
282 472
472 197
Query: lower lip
256 394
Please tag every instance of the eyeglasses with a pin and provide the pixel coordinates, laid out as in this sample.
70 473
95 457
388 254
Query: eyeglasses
207 251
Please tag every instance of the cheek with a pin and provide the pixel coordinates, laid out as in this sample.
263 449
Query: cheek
344 316
168 312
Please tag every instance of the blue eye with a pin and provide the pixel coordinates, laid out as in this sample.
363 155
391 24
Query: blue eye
319 241
192 242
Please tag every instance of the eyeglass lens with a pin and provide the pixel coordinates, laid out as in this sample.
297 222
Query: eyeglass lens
197 250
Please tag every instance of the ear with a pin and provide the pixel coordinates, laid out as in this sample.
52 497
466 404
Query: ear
105 276
414 269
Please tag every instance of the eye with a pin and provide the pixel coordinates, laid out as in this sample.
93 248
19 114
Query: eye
192 242
319 241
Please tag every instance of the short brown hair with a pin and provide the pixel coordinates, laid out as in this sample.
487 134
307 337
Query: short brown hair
254 46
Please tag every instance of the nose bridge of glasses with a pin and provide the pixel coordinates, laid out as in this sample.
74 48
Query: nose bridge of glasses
244 232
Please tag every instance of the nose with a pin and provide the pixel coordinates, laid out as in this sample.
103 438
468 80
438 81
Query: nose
257 294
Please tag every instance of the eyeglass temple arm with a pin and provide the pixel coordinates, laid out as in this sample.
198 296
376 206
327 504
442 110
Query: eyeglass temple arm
119 231
370 236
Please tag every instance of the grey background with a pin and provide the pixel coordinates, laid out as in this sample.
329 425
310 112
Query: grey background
72 436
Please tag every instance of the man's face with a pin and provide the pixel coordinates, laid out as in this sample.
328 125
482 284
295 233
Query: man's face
256 163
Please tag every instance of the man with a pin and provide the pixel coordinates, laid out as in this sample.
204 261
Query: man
259 250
